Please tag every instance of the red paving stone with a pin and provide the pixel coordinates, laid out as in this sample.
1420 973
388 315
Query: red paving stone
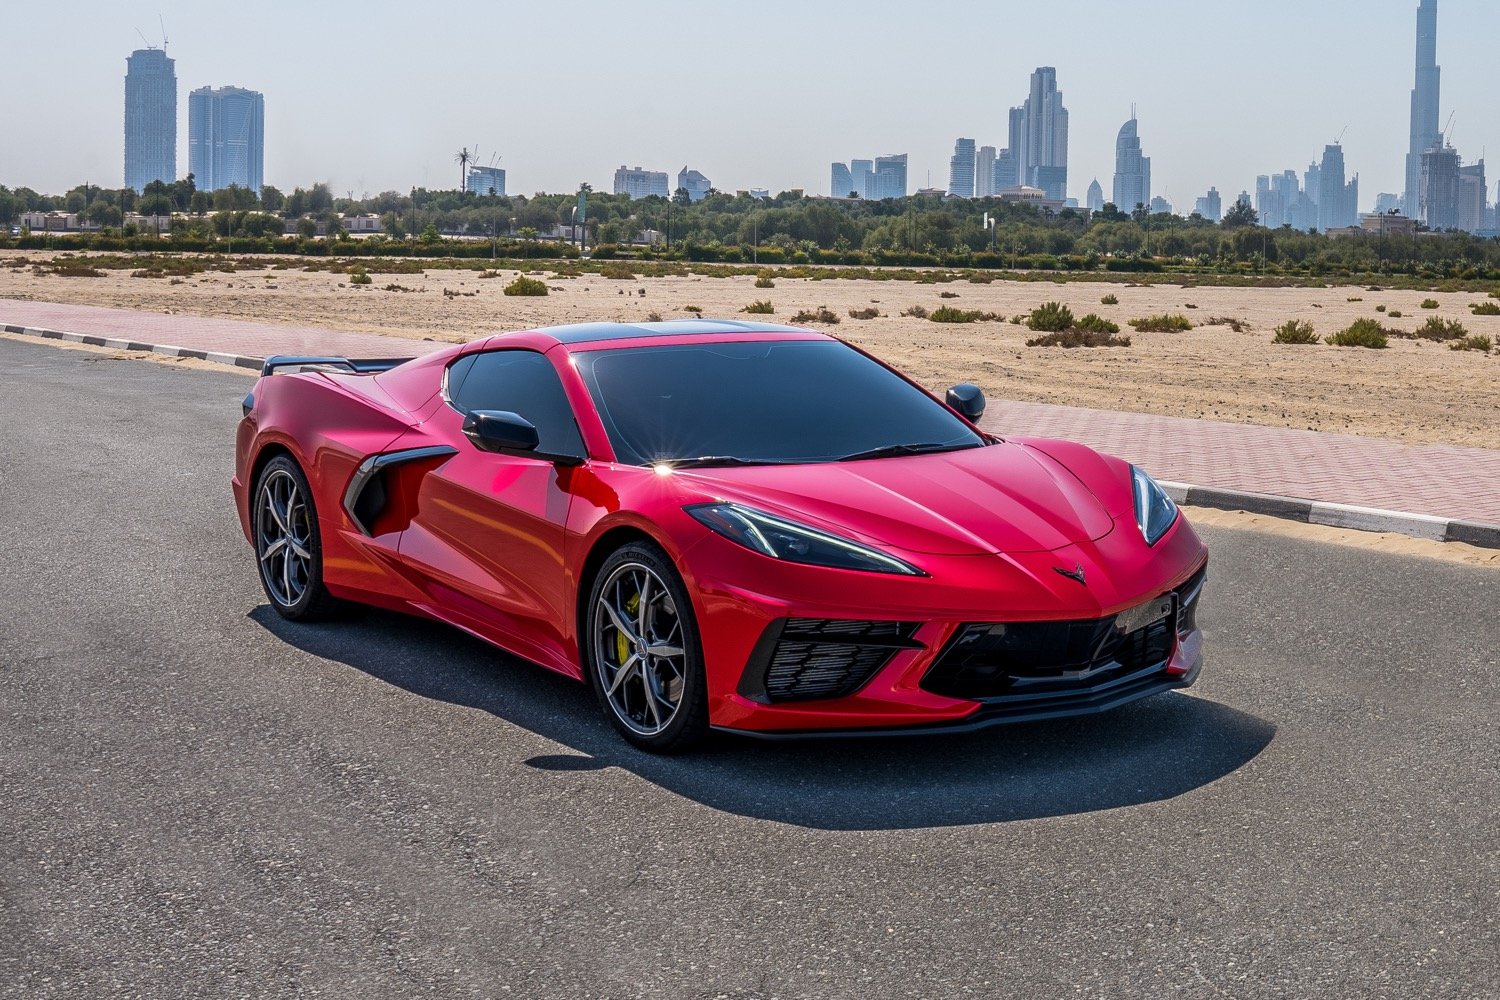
1439 480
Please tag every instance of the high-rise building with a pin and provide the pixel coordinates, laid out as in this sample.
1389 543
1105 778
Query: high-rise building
862 170
638 183
961 169
226 138
1268 203
984 172
1387 202
1472 202
1160 206
1424 105
1132 170
842 183
485 181
1210 206
1338 202
1039 136
696 185
1437 202
1007 171
889 177
150 118
1095 200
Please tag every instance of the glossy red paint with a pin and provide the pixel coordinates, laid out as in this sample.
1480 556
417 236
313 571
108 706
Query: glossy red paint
502 546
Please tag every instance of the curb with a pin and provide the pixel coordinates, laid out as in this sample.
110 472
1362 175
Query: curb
1334 515
115 343
1337 515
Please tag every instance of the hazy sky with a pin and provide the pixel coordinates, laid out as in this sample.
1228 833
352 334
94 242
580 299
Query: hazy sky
378 95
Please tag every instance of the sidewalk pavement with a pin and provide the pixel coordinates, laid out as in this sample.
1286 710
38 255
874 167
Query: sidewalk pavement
1436 491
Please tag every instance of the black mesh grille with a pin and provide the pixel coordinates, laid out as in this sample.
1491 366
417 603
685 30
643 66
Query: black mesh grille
807 658
1030 662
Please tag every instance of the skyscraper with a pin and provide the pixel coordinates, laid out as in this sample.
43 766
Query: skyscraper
1438 189
961 169
1338 203
842 182
150 118
696 185
1210 206
984 172
1007 171
226 138
1472 193
1095 200
1132 170
1424 105
1039 136
485 181
638 183
889 177
862 171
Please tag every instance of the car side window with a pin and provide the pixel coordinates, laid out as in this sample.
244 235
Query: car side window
523 382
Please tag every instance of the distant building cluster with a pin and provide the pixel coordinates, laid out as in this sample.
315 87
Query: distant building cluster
226 128
638 183
882 177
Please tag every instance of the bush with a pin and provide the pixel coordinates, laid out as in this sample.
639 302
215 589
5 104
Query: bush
1437 328
1485 308
653 317
1295 331
947 295
1078 338
1050 316
359 278
868 313
1110 300
1394 314
1237 325
616 270
1380 309
760 306
1354 298
526 286
1482 344
1094 323
1429 303
764 280
822 315
948 314
915 312
1165 323
1360 333
693 309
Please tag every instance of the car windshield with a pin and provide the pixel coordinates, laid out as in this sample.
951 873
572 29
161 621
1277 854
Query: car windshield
762 402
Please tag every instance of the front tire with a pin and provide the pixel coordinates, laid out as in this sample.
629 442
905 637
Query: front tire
642 653
288 546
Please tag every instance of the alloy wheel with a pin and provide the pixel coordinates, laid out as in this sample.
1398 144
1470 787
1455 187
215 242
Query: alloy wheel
638 648
283 538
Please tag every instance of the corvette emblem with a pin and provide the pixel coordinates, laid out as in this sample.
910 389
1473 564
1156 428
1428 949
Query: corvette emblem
1076 573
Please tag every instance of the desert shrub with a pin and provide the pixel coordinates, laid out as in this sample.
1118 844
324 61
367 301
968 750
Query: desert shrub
693 309
392 287
822 315
1495 294
1078 338
616 270
359 278
1360 333
454 293
1380 309
489 274
765 280
1050 317
1165 323
1110 300
916 312
1295 331
1429 303
1094 323
948 314
1190 305
1437 328
653 317
1237 325
1485 308
526 286
1481 343
77 271
868 313
947 295
760 306
1019 319
1394 314
1354 298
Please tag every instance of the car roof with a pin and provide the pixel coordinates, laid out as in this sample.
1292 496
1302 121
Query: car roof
589 333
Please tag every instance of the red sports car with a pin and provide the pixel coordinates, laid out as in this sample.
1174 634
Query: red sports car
722 525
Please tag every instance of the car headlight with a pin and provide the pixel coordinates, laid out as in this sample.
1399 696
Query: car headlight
1154 510
780 538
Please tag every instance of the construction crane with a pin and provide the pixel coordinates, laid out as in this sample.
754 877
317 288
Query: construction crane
1447 133
1339 139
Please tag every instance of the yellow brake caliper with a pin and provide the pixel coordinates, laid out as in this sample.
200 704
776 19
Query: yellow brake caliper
622 647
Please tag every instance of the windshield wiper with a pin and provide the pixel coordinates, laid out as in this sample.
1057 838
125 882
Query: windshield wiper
702 461
892 450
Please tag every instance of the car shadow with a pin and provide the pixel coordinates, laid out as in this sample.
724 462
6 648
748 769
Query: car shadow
1145 752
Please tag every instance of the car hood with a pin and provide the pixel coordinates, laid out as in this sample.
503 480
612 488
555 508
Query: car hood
1001 498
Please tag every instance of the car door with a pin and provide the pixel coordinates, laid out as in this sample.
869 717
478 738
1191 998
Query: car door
488 532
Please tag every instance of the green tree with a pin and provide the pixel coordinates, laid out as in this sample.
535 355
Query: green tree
1241 213
271 199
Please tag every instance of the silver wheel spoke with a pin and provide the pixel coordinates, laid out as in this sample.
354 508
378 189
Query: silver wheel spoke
621 674
663 650
273 548
645 601
617 620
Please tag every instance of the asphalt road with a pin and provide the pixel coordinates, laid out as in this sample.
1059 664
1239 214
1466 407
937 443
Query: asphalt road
197 799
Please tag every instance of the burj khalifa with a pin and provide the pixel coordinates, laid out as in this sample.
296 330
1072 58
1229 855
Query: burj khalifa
1424 104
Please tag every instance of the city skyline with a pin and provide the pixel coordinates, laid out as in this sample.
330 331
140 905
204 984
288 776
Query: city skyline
382 135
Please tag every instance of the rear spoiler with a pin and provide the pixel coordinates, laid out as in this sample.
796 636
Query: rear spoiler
357 366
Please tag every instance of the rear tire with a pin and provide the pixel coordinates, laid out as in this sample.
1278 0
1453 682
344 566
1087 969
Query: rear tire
288 545
641 651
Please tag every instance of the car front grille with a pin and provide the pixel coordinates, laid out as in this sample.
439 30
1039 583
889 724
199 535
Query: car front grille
801 659
1030 665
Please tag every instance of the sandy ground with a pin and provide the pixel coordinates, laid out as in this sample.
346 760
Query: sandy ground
1415 391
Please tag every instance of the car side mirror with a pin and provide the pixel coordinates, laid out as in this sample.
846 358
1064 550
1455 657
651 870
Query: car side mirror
501 431
968 399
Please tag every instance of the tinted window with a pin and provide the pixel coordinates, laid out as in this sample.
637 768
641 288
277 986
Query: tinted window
522 382
786 401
